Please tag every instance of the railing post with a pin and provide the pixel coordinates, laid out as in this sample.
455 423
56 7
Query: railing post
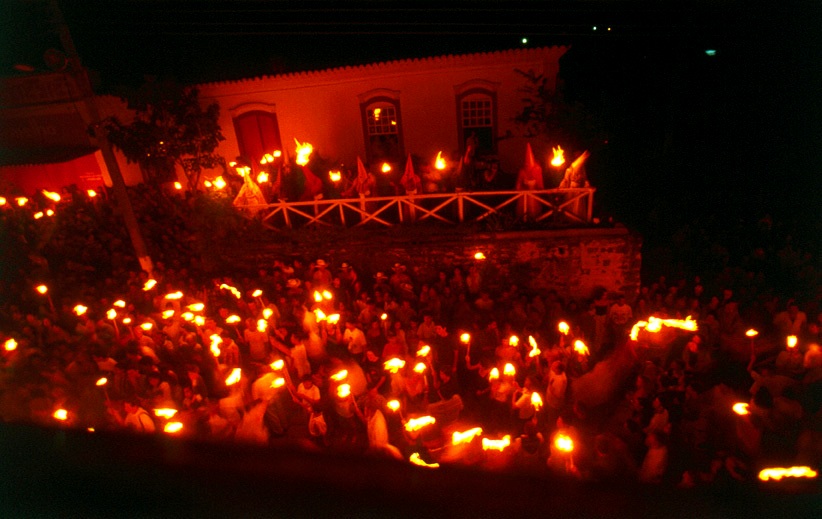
285 214
461 210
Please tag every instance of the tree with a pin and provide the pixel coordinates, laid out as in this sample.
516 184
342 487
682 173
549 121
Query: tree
170 128
546 114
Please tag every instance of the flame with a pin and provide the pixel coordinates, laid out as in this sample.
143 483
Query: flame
465 436
335 176
92 193
340 375
791 341
277 364
494 374
119 303
536 400
173 427
262 325
149 285
334 318
165 412
655 324
741 408
581 348
80 309
233 319
42 289
465 338
777 473
174 295
559 157
419 367
146 326
318 297
439 163
10 344
168 314
267 312
38 215
425 350
257 293
178 186
344 390
377 112
49 212
60 414
383 316
386 167
207 183
415 424
496 445
231 289
278 382
111 314
303 151
187 316
564 443
219 183
479 256
199 320
513 340
102 381
751 333
126 320
416 460
277 154
328 295
21 201
394 405
563 328
234 377
262 177
51 195
320 315
3 200
216 340
535 351
394 364
509 369
196 307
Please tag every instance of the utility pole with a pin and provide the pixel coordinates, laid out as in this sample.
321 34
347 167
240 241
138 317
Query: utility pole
118 185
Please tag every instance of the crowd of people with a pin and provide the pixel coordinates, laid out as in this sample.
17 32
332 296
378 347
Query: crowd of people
663 386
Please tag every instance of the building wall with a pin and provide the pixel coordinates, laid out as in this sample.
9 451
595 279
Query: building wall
323 107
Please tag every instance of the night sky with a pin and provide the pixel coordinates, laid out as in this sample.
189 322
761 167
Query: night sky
723 138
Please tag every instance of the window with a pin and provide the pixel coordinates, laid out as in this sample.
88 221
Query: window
257 134
382 127
477 115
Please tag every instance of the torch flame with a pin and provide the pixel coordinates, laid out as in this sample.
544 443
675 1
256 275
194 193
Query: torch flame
232 289
119 303
465 436
49 212
146 326
465 338
168 314
234 377
187 316
559 157
196 307
340 375
216 340
419 367
257 293
439 163
777 473
318 297
751 333
791 341
535 351
496 445
509 369
415 424
267 312
335 176
126 320
219 183
80 309
564 443
51 195
178 186
102 381
60 414
479 256
303 151
111 313
416 460
394 405
277 364
233 319
655 324
173 427
741 408
262 325
328 295
581 348
494 374
513 340
320 315
38 215
563 328
3 200
386 167
149 284
333 318
394 364
278 382
262 177
42 289
165 412
536 400
344 390
383 316
174 295
21 201
425 350
10 345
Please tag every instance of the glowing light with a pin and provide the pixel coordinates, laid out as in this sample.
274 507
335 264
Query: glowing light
219 183
383 316
335 176
419 367
327 295
741 408
147 326
439 163
174 296
415 424
536 400
262 325
791 341
655 324
278 382
581 348
564 443
127 320
394 405
231 289
394 364
167 314
377 112
21 201
119 303
416 460
267 312
494 374
710 52
196 307
49 212
496 445
303 151
151 283
10 345
777 473
173 427
199 320
102 381
340 375
386 167
80 309
257 293
216 340
3 200
277 364
424 351
524 41
558 158
207 183
51 195
111 313
38 215
513 341
535 351
233 319
479 256
165 412
42 289
234 377
466 436
509 370
60 414
178 186
91 193
344 390
187 316
320 315
262 177
333 318
563 328
465 338
751 333
317 297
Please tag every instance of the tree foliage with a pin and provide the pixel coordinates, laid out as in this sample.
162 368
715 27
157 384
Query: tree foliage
545 114
170 128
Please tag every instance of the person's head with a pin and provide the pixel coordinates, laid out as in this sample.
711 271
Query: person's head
307 381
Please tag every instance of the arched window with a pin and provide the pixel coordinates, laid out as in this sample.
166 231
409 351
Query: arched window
477 116
257 133
382 128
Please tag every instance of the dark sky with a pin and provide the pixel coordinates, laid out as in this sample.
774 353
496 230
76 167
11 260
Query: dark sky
736 134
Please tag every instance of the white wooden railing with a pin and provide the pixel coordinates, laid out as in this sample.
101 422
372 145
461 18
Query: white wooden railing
549 205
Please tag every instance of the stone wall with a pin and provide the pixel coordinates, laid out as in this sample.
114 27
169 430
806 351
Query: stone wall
574 262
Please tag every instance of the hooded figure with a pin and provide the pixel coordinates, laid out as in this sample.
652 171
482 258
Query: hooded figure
529 178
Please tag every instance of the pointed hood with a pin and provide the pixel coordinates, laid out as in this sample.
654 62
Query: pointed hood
409 168
361 171
530 162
